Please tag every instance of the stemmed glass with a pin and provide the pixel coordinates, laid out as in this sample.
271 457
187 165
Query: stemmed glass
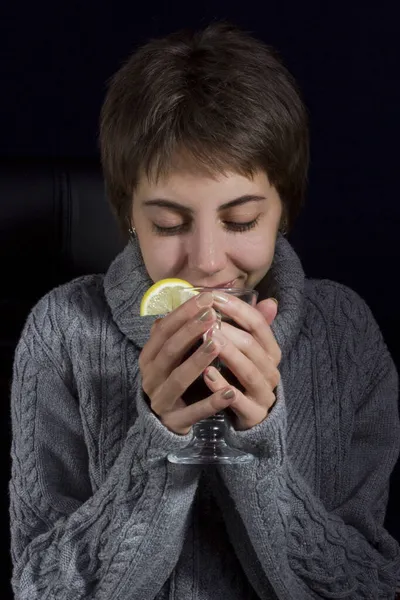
209 445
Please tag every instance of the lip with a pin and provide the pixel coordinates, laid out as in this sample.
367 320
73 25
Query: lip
227 284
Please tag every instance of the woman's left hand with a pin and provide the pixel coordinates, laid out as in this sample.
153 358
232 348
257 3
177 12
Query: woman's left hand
252 356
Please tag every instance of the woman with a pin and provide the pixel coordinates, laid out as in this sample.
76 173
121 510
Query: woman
204 147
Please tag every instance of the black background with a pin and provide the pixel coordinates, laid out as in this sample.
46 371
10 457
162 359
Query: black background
55 59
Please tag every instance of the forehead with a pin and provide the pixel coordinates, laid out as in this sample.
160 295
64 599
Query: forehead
189 186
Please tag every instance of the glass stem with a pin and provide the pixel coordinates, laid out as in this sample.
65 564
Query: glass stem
211 430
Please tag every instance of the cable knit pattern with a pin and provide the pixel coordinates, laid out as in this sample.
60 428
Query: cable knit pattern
98 513
309 552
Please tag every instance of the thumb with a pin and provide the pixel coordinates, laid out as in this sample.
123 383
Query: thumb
268 308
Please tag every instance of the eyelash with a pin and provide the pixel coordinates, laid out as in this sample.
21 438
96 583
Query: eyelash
230 225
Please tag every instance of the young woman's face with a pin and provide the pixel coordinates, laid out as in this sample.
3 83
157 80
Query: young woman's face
207 231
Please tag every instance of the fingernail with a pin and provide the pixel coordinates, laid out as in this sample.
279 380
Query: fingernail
220 297
219 337
155 323
228 394
210 373
204 299
275 300
208 347
206 315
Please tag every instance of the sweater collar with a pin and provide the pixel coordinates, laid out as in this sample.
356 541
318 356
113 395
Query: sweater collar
127 280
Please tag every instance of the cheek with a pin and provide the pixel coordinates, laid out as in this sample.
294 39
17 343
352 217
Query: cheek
253 253
161 257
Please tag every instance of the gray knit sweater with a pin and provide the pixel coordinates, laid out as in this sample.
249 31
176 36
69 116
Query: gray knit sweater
98 513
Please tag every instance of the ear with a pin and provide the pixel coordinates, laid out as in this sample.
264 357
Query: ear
269 309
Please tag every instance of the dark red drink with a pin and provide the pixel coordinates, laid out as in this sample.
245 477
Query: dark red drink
209 445
198 390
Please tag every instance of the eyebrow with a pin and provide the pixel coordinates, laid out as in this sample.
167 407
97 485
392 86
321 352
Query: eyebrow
165 203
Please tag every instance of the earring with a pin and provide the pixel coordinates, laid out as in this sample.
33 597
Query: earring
283 229
131 230
132 234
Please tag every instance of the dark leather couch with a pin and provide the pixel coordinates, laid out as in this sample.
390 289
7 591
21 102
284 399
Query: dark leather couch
55 224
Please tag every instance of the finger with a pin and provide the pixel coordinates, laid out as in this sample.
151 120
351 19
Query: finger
214 379
251 348
153 327
180 421
268 308
248 411
180 344
172 322
252 380
169 393
251 320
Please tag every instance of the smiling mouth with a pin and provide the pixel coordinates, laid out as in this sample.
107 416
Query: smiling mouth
227 285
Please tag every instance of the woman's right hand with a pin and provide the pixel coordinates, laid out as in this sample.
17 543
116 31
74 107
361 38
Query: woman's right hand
165 377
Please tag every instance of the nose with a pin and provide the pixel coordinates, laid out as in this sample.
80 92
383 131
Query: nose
206 251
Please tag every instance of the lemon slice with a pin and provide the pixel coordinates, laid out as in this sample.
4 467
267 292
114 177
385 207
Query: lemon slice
164 296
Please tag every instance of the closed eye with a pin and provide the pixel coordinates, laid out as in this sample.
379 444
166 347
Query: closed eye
185 227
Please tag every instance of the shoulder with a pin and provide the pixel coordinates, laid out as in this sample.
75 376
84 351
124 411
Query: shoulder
327 294
83 295
69 307
351 327
338 304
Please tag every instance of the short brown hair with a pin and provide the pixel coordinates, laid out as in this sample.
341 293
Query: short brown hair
219 97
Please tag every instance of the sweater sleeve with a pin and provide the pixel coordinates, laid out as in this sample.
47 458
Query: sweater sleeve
305 550
122 540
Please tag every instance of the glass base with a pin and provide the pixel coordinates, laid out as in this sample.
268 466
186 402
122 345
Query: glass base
201 452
